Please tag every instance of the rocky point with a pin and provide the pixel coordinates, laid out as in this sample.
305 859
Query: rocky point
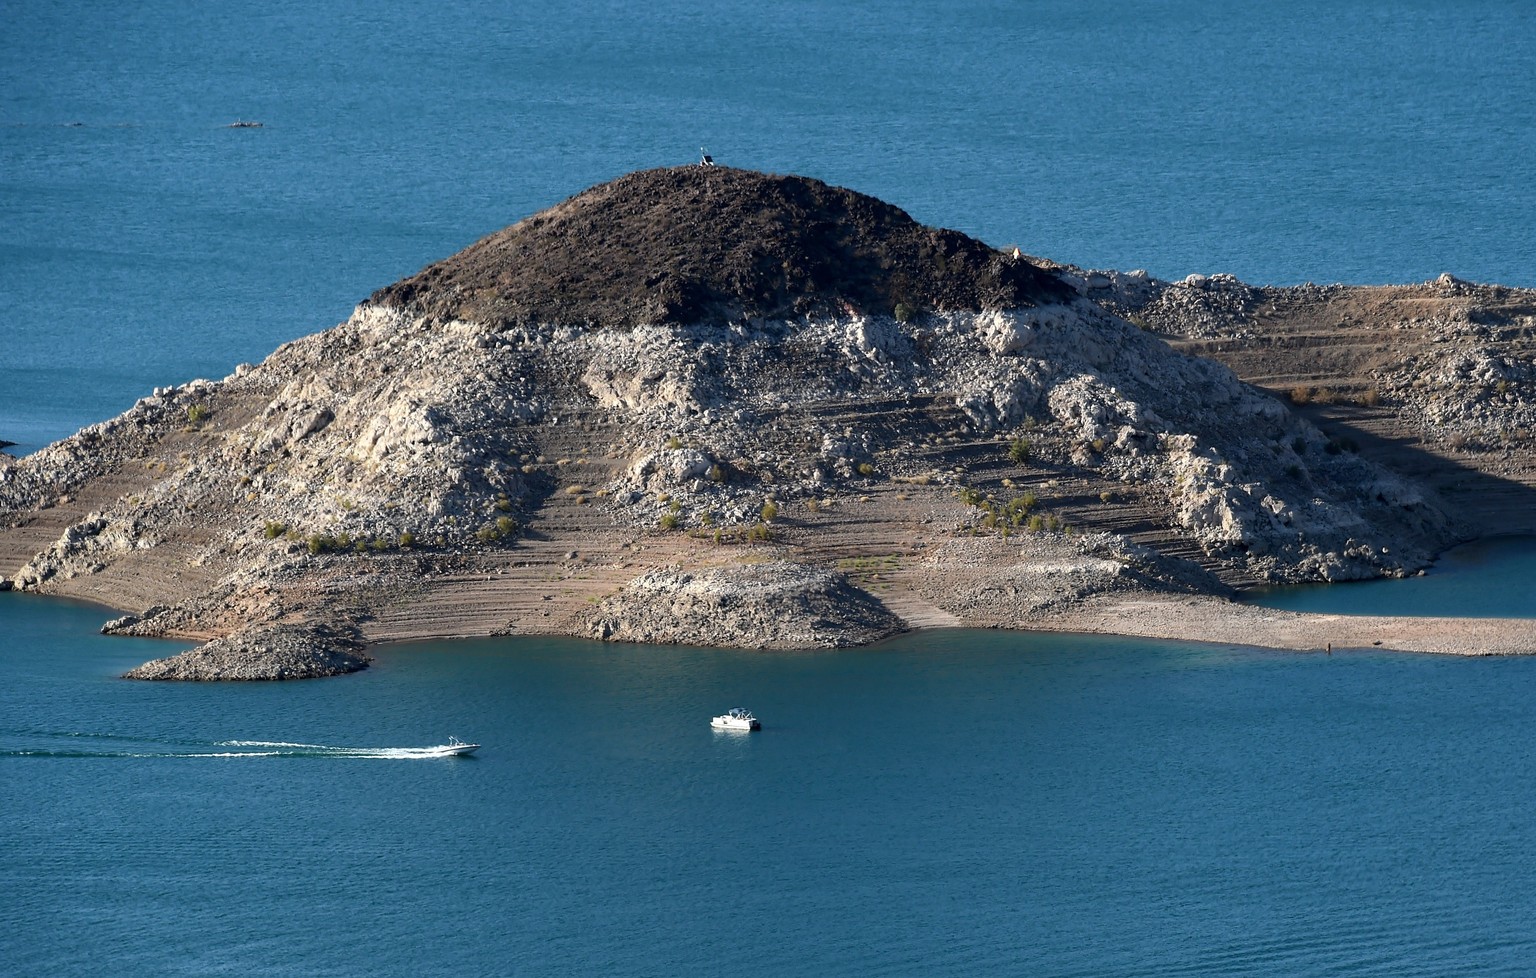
723 407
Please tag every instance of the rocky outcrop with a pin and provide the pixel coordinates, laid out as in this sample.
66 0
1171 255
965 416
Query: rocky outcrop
265 653
1436 379
691 244
732 397
1459 356
773 605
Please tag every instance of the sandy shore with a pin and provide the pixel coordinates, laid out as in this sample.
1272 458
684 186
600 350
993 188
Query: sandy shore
927 577
1229 623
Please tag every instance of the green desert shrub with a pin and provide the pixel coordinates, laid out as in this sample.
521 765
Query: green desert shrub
1018 508
504 528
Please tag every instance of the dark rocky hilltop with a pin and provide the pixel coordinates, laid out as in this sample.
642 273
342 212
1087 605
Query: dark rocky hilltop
713 406
695 244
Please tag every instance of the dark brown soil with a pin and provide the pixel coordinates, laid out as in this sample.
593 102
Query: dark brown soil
686 244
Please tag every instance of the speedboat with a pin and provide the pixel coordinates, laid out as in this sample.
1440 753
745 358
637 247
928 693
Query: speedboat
454 748
737 719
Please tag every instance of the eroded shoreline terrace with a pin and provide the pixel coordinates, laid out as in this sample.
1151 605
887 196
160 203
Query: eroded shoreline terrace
721 407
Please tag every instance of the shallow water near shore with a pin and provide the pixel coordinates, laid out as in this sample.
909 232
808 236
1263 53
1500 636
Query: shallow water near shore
951 802
1493 578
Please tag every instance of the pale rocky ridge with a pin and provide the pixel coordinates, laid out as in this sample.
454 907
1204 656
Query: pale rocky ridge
408 473
772 605
1437 380
268 653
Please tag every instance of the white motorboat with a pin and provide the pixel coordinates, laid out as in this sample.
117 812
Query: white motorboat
454 748
737 719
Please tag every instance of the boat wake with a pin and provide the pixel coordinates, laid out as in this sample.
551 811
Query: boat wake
265 748
43 743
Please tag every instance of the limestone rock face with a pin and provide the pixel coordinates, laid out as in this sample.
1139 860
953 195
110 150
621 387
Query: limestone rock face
670 468
776 605
274 652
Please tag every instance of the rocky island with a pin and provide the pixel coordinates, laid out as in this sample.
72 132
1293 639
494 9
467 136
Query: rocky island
722 407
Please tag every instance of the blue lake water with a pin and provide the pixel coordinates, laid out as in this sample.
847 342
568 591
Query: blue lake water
1347 140
1493 578
950 803
944 804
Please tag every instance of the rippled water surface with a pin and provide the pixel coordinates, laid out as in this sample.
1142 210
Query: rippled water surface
952 803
